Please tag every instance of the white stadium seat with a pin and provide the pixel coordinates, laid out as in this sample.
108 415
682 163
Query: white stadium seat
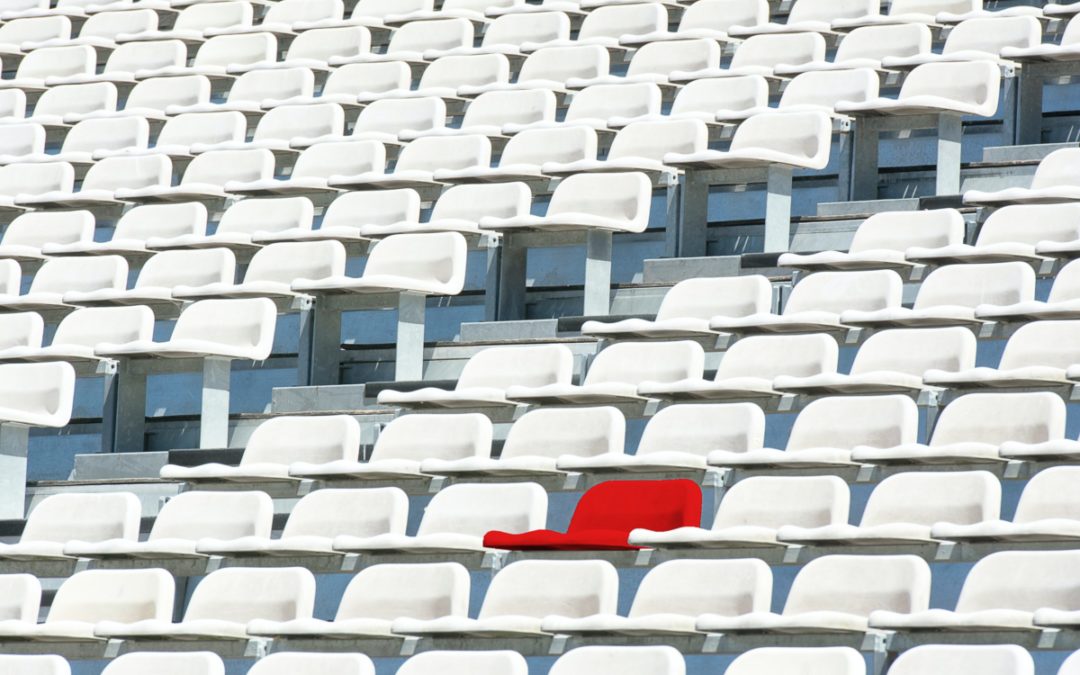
36 665
166 663
754 510
286 663
792 660
66 517
660 660
965 660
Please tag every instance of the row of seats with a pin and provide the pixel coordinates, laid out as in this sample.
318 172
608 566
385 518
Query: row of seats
760 511
833 594
924 660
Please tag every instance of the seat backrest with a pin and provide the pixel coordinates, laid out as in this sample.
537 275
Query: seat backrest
395 115
37 394
38 664
195 267
1066 284
221 166
477 509
988 36
614 21
838 291
469 70
785 48
933 7
268 215
1032 417
289 261
219 515
659 660
653 139
246 324
357 78
125 596
971 285
38 228
287 663
228 126
430 436
559 64
827 10
161 220
341 158
723 14
58 62
465 663
151 54
431 153
695 587
805 137
668 56
876 42
107 134
237 50
372 207
74 99
775 501
533 147
828 87
139 171
357 513
161 663
13 104
256 86
900 230
86 517
287 439
959 497
437 259
702 428
36 29
1024 581
637 362
496 108
1051 344
502 367
972 83
706 297
21 329
241 595
966 660
1031 224
540 588
420 36
603 101
224 14
160 92
382 8
798 661
324 44
621 506
471 202
708 95
768 356
844 422
860 584
22 139
35 179
553 432
415 591
916 350
91 326
301 121
288 12
60 275
534 27
623 196
1059 168
1070 36
1047 495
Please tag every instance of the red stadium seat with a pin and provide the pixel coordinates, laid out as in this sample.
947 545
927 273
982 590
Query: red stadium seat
608 512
